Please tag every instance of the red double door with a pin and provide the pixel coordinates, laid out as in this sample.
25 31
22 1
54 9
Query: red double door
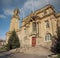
33 41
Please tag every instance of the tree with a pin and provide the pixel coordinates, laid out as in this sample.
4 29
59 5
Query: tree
13 41
57 46
56 43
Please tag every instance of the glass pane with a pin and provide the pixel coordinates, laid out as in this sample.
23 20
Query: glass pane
34 26
48 37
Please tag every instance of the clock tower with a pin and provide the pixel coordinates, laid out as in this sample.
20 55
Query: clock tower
14 25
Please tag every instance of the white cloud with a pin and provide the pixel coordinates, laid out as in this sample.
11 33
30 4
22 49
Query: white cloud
2 16
33 4
29 5
8 11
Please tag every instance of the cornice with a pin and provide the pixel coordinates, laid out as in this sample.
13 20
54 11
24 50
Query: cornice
9 32
16 17
47 15
45 8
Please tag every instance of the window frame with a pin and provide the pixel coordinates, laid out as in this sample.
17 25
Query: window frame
48 37
47 24
34 26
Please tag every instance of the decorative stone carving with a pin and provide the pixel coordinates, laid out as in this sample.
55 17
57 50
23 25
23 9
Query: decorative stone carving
16 13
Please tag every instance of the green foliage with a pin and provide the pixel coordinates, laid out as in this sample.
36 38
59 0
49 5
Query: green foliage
58 56
13 41
56 44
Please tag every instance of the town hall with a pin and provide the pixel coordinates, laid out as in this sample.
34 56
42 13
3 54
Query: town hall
37 29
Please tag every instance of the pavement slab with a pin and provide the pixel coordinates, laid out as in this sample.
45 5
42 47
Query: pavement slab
18 55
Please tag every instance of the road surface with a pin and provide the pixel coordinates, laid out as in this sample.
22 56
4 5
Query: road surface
5 54
8 54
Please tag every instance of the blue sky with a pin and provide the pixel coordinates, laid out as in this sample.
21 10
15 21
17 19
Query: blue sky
25 6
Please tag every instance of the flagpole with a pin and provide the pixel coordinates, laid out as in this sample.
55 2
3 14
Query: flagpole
47 1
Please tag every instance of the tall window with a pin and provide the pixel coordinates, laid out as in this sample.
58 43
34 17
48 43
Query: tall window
48 37
47 24
34 26
37 27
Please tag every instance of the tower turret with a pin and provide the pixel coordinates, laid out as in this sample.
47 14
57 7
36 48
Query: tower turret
14 25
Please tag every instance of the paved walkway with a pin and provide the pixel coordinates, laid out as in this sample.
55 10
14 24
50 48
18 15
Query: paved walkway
18 55
41 51
33 52
8 54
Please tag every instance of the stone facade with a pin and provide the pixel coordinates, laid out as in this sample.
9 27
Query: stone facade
38 29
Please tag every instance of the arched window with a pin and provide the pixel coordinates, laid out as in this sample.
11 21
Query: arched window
48 37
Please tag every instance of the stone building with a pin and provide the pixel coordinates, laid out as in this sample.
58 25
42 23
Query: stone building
38 28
